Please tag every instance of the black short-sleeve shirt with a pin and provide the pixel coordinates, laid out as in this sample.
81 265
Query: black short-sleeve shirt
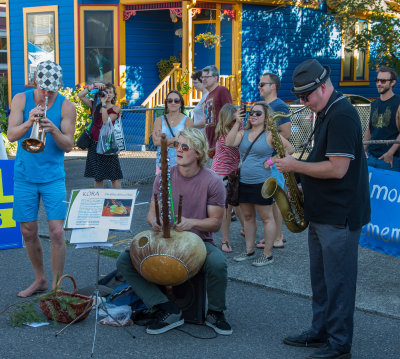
346 200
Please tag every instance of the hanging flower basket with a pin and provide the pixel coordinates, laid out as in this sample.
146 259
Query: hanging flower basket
208 39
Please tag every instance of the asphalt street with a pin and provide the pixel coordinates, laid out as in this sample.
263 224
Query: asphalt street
264 304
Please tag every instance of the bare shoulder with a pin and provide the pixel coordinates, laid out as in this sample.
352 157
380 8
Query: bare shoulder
18 101
116 109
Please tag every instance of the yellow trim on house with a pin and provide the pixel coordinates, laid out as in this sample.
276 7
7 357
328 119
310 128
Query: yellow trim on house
354 83
36 10
122 54
8 51
82 9
76 40
237 51
218 33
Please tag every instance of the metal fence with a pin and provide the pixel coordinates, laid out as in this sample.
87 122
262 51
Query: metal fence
139 161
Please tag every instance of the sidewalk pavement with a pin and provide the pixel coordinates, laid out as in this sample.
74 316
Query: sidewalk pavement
264 304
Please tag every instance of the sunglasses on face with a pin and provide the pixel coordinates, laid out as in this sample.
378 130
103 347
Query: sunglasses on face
262 84
256 113
183 146
172 100
383 81
304 96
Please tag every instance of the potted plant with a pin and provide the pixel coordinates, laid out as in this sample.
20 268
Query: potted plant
208 39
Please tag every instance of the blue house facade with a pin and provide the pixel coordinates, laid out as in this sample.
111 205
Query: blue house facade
121 41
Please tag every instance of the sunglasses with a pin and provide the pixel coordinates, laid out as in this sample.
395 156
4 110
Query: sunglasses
383 81
262 84
172 100
256 113
304 96
183 146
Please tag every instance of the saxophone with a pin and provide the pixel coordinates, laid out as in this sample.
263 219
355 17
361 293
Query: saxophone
294 221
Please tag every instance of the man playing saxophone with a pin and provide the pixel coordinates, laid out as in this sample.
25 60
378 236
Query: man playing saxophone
334 179
42 175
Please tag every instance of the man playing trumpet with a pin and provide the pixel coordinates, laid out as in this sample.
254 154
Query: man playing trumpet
42 175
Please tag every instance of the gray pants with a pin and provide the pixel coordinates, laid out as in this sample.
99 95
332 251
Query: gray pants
215 268
333 268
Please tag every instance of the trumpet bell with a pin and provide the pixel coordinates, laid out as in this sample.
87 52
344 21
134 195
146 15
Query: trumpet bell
33 145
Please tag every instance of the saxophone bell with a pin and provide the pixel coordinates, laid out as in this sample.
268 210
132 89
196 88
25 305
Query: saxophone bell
293 217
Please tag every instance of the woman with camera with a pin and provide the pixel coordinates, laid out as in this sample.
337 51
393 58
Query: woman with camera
171 123
101 167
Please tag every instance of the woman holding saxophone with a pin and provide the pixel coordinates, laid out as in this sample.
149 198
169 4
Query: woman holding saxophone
256 148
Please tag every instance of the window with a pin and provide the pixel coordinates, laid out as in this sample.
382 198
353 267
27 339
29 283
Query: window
3 50
40 37
98 44
354 63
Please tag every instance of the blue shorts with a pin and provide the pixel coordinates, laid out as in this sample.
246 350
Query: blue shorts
376 163
27 198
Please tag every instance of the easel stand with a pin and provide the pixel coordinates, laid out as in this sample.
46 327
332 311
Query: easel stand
98 302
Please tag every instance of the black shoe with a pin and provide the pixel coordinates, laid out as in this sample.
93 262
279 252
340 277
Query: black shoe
217 321
305 339
329 353
233 217
165 321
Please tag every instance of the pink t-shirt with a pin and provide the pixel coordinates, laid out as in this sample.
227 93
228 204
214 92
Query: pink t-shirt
226 159
202 190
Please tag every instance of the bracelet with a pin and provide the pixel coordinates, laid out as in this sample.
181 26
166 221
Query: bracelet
270 162
104 106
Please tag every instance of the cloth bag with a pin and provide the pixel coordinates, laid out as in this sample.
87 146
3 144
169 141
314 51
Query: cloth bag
119 134
83 141
107 144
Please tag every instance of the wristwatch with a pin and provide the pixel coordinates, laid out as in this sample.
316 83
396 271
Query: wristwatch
104 106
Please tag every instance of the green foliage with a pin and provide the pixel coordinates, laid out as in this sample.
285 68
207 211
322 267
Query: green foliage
208 39
3 92
165 66
25 313
183 84
82 111
383 33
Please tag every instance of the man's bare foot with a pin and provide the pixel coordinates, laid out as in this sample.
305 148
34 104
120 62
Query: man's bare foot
35 287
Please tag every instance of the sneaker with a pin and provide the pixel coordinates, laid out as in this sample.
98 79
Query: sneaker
263 261
165 321
217 321
243 257
305 339
233 217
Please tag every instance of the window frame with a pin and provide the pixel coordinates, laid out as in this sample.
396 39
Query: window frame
354 81
35 10
82 32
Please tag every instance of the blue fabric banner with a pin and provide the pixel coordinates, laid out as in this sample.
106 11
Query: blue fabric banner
10 233
382 234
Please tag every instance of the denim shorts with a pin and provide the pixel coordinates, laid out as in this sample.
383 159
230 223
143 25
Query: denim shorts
27 197
376 163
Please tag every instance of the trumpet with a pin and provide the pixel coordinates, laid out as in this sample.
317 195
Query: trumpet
36 142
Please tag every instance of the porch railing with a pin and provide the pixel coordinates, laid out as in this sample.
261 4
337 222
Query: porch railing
229 81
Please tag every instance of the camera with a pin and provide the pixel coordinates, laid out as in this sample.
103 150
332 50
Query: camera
100 93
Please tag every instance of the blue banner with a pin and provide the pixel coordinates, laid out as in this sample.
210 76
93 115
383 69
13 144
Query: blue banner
10 233
382 234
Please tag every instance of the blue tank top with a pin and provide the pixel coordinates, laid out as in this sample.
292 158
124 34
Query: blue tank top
171 151
45 166
253 170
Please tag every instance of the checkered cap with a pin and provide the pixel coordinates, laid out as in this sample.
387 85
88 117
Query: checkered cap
49 76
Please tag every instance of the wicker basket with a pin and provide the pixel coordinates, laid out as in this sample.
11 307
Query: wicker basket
63 315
